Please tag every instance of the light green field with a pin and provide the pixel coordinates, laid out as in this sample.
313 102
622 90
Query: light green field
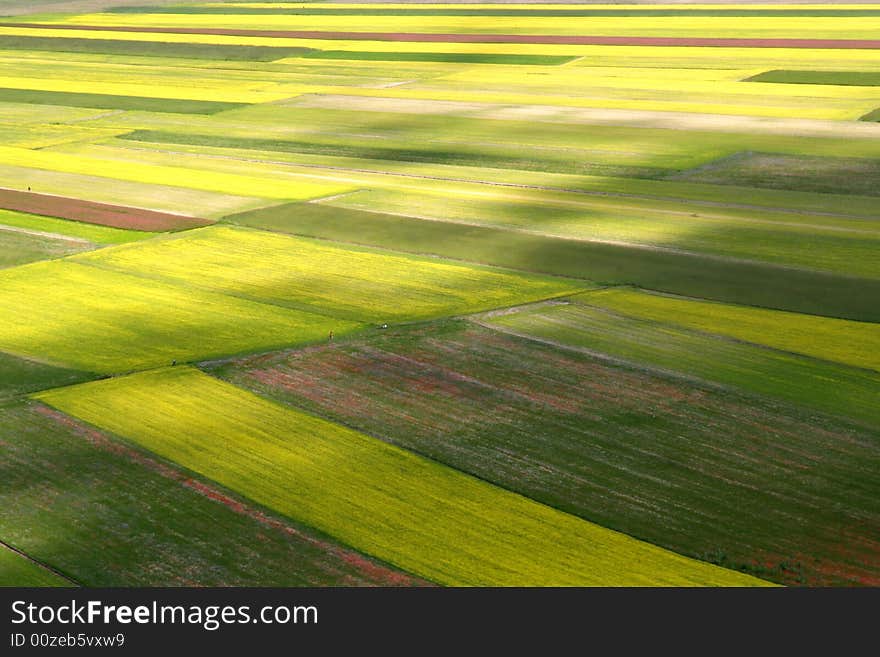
847 342
16 570
414 513
104 321
355 284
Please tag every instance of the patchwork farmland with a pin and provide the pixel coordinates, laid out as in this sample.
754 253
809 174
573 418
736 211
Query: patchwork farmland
412 294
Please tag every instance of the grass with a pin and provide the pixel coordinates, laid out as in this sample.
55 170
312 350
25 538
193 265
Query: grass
692 470
80 230
18 248
107 515
355 284
846 342
19 376
743 282
826 175
816 385
97 320
110 101
845 78
456 58
412 512
17 570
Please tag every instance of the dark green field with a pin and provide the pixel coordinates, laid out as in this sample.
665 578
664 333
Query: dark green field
738 12
19 376
814 385
751 486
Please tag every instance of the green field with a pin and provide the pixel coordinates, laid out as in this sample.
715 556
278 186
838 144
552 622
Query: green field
848 78
591 439
107 101
18 247
17 570
677 272
104 321
812 384
361 285
107 515
850 343
412 512
127 49
457 58
19 376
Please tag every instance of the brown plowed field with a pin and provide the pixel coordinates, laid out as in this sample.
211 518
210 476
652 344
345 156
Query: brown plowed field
486 38
117 216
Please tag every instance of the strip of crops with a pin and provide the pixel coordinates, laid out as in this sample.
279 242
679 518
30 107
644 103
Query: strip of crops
105 321
412 512
107 515
850 343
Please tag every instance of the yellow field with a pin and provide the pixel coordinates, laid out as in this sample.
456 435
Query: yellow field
412 512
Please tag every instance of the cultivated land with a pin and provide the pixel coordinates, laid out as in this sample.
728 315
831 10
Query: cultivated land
17 570
814 384
591 439
485 281
415 513
362 285
107 515
104 321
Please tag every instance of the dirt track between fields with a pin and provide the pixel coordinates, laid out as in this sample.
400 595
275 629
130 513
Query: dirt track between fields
422 37
115 216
